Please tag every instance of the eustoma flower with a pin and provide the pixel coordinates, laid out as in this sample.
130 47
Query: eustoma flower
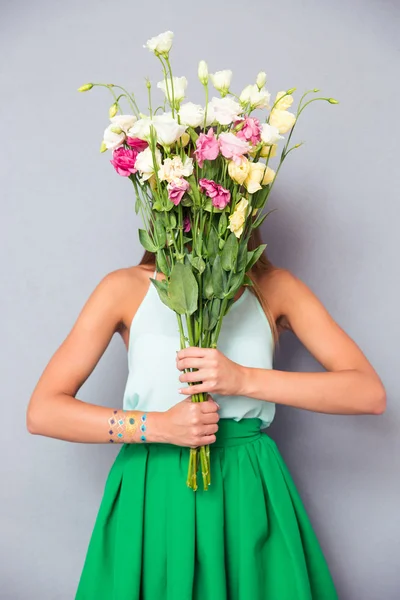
283 101
191 114
186 224
239 172
250 130
257 98
220 197
283 120
161 44
270 134
145 164
237 219
173 169
233 147
253 180
179 84
269 176
136 143
124 160
222 81
177 189
224 110
207 147
124 122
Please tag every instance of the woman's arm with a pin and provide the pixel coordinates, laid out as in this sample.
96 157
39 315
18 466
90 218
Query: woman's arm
350 385
54 411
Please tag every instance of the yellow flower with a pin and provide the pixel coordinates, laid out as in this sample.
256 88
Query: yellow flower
239 172
237 219
283 120
269 176
285 103
268 151
254 178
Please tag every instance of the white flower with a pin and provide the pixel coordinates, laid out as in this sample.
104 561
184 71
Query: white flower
141 129
255 97
161 44
167 128
270 134
124 122
261 79
283 120
210 117
113 139
225 110
203 72
180 85
173 169
145 164
222 81
283 101
191 114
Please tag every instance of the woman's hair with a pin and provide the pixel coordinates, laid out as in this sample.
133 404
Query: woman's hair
263 265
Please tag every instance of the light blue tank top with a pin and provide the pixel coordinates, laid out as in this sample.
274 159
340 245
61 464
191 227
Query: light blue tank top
153 379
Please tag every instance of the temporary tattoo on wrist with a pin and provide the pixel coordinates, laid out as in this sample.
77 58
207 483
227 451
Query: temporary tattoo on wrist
122 428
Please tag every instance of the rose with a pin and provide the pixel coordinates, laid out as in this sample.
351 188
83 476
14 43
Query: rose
283 101
161 44
179 84
145 164
123 161
224 110
222 81
269 134
237 219
269 176
173 169
283 120
220 197
113 137
124 122
254 178
250 130
167 128
191 114
239 172
257 98
233 147
207 147
176 190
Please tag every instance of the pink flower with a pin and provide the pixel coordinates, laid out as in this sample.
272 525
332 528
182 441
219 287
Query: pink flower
220 197
207 147
233 147
136 144
186 224
250 130
124 160
176 190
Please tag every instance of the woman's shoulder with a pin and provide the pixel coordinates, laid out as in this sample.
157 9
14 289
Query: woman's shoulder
279 286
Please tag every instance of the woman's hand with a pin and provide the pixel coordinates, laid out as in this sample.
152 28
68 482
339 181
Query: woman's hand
190 423
217 373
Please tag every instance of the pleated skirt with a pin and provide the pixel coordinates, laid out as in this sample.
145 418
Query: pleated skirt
247 538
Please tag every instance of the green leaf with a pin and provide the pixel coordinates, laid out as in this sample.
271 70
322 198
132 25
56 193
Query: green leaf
261 218
137 205
242 255
146 241
260 197
206 317
183 289
222 223
186 201
162 289
215 312
159 231
212 245
208 290
229 253
162 262
208 206
198 263
217 278
255 255
235 283
172 220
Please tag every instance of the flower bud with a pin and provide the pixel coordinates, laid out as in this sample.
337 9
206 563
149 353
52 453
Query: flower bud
291 91
261 79
86 87
315 90
333 101
103 147
148 84
116 129
113 110
203 72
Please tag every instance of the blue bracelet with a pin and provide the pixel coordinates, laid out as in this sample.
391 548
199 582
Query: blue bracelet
143 427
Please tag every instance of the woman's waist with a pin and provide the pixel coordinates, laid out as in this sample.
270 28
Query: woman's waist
232 432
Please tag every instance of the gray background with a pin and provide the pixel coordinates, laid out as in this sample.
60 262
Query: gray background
67 220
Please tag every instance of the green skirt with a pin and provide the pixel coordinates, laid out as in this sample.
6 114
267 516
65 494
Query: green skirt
247 538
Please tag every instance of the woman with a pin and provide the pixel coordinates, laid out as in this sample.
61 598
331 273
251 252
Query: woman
248 536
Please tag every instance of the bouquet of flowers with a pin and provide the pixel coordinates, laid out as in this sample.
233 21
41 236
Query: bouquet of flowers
202 176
